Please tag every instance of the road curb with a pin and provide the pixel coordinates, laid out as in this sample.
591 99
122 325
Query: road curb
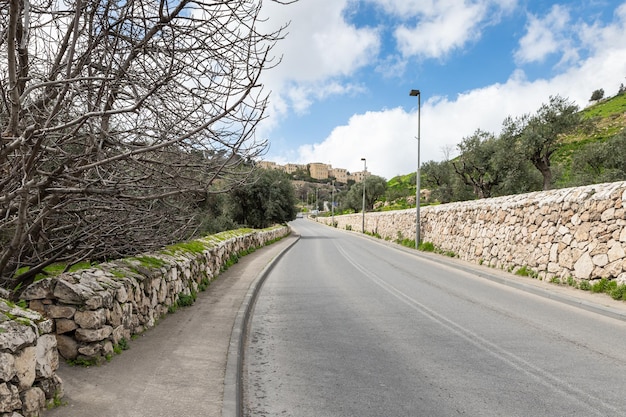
482 272
232 404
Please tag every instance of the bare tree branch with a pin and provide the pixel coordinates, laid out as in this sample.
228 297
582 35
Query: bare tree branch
120 117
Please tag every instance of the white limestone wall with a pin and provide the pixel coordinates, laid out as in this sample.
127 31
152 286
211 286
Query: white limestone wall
574 232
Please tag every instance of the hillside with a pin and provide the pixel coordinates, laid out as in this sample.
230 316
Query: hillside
603 121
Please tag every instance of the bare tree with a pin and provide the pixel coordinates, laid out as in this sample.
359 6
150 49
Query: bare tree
118 117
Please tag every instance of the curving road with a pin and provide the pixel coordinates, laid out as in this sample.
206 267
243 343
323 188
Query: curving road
349 326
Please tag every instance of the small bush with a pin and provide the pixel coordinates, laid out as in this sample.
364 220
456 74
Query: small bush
600 286
524 271
426 247
186 300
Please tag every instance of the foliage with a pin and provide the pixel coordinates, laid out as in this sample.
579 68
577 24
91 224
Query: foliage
589 147
426 247
600 161
597 95
400 186
480 164
269 198
186 300
540 135
375 187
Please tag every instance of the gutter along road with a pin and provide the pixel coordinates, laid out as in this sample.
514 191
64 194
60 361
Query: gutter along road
350 326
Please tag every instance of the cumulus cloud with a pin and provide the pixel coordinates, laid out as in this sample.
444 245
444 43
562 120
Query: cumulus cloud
545 36
387 137
433 29
447 27
320 49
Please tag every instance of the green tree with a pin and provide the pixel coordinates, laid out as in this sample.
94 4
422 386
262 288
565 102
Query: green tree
600 161
270 198
375 187
478 165
597 95
438 177
540 135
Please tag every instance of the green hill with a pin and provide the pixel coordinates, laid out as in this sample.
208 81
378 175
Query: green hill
581 158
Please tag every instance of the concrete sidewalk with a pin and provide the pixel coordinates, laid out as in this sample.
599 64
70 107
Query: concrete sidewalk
178 367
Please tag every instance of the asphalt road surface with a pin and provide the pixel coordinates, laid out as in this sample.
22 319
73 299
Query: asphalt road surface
349 326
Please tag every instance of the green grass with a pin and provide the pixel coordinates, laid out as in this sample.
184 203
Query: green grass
524 271
606 108
55 402
84 362
426 247
187 300
121 346
148 261
194 246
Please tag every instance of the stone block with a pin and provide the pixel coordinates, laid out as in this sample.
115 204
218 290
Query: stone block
39 290
60 311
67 346
7 367
583 267
72 293
616 252
45 326
47 356
25 367
600 260
65 326
33 401
9 398
93 335
92 350
14 336
90 319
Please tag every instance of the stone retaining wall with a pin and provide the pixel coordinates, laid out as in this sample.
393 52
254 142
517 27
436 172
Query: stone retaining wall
28 362
574 232
87 315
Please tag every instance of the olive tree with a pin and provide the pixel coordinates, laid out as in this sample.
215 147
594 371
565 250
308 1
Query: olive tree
269 199
118 119
540 135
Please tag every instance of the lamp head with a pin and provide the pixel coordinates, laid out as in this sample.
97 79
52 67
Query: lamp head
414 93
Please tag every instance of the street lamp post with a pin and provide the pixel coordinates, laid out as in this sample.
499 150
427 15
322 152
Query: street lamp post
332 203
364 171
416 93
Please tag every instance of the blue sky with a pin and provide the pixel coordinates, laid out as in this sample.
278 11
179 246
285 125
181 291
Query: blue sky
341 92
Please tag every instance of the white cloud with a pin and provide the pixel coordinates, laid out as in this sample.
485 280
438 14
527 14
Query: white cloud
319 49
433 29
546 36
446 28
386 137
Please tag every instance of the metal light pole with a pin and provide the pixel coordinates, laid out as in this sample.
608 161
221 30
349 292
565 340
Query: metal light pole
414 93
364 171
332 203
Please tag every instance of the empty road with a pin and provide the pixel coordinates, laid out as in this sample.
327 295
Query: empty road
349 326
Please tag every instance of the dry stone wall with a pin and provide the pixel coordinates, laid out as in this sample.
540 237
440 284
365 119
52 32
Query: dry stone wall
85 315
574 232
28 362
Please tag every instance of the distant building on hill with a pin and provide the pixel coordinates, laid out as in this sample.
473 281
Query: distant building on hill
318 171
